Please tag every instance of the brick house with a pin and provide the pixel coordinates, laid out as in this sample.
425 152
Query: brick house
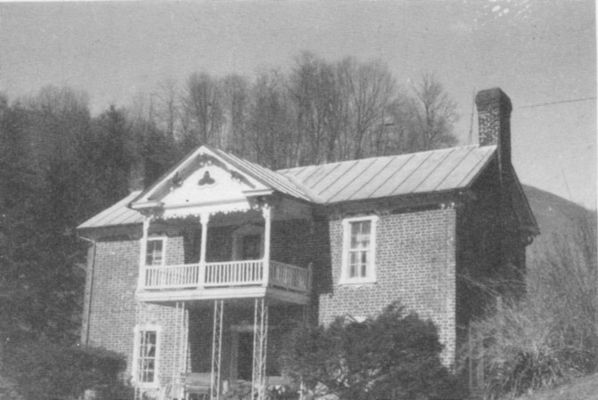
201 272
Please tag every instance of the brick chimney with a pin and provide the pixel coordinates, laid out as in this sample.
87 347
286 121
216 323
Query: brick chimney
494 119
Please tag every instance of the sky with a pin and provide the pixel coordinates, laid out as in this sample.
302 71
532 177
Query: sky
542 53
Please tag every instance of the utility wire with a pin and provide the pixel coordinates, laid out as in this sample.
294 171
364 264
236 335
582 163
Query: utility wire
558 102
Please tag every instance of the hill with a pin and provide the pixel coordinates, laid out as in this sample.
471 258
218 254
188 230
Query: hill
555 216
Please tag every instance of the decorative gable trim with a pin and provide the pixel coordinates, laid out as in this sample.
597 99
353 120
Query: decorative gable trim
203 156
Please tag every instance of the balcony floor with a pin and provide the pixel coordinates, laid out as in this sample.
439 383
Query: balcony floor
237 292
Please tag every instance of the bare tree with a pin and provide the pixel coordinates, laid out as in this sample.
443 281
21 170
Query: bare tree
272 136
167 106
236 97
318 106
369 90
435 114
203 109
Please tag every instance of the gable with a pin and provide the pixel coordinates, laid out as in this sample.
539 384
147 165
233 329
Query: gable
202 177
208 184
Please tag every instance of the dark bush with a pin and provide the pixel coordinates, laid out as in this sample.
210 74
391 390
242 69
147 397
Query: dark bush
43 370
392 356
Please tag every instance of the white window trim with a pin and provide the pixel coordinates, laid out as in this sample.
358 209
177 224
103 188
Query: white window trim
164 243
371 268
134 370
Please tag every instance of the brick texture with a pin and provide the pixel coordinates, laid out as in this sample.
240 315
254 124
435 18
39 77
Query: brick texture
113 307
415 264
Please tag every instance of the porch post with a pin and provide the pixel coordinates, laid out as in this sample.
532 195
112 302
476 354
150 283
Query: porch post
204 221
267 213
216 350
260 346
142 252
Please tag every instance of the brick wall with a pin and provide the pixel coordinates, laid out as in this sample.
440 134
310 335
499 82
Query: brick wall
490 252
415 264
113 308
114 311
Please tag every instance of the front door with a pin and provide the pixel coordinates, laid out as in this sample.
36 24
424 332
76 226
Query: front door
245 356
250 247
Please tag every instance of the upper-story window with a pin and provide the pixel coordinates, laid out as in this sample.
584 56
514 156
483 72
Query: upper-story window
146 356
154 253
359 250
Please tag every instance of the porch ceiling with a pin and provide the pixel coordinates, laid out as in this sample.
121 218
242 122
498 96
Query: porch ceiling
233 295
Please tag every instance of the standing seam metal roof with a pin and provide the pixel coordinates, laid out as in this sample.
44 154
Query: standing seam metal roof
424 172
370 178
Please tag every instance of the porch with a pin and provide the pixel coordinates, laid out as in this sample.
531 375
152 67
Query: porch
217 349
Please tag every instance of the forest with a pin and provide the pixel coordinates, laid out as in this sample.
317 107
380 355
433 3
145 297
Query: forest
59 164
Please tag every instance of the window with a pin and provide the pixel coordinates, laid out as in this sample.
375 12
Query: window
154 253
359 250
146 355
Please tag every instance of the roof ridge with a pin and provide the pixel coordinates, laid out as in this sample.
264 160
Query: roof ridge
285 170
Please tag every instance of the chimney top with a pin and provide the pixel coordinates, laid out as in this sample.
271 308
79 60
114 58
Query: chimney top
494 119
493 97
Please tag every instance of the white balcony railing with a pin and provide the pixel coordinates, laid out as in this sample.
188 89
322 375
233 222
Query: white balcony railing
226 274
289 276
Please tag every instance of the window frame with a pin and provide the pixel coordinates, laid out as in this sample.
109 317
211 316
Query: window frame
370 276
155 239
135 371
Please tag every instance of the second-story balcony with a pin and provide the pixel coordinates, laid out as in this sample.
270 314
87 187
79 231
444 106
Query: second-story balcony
229 274
216 229
229 279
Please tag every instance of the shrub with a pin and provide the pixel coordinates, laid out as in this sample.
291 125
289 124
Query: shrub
43 370
392 356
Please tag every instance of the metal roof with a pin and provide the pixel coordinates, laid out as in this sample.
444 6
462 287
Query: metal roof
369 178
118 214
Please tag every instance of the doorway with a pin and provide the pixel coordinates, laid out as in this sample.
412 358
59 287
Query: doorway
250 247
245 356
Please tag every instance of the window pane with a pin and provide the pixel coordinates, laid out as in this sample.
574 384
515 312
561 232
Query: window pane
354 258
360 234
365 227
364 257
147 356
154 252
360 247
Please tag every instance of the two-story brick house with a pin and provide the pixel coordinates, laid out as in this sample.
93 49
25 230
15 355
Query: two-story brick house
204 270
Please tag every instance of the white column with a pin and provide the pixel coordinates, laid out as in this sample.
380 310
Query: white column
267 213
204 220
142 252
